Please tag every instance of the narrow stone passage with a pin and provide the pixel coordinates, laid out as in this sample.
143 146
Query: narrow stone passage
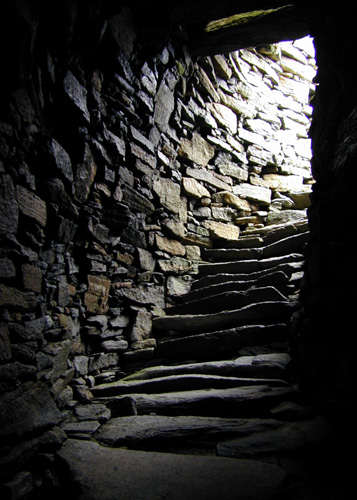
221 384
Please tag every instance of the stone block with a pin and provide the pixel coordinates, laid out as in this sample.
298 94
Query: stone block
9 211
27 410
173 247
202 174
5 346
77 95
258 194
16 299
32 278
61 160
31 205
194 188
223 231
197 149
224 115
96 297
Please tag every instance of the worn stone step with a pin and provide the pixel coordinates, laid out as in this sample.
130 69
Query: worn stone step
245 401
227 300
293 243
171 383
277 279
190 324
274 232
287 268
247 266
287 438
222 343
268 365
141 430
98 472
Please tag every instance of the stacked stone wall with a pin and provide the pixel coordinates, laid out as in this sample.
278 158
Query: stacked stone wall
114 179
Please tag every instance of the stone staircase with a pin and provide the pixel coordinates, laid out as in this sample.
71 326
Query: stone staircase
221 383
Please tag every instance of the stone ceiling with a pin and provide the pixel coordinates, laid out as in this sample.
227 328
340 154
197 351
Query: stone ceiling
257 23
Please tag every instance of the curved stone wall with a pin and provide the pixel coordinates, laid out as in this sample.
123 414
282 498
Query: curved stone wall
115 173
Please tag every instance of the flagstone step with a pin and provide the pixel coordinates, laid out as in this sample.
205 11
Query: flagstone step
268 365
222 343
248 266
227 300
172 383
246 401
189 324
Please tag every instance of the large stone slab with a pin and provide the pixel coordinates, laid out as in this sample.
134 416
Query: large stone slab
227 300
145 428
263 365
27 410
191 324
102 473
245 401
258 194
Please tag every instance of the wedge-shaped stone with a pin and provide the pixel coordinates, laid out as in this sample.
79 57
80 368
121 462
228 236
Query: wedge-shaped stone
227 300
197 150
173 383
202 174
250 314
246 401
124 431
263 365
194 188
104 473
224 115
294 243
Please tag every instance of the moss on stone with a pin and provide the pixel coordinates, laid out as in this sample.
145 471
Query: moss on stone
240 19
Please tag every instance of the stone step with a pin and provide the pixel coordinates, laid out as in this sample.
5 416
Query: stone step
263 366
98 472
143 430
277 279
287 268
275 232
172 383
190 324
247 266
227 301
246 401
222 343
289 437
294 243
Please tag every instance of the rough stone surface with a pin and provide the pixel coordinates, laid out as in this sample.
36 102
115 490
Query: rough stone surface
95 473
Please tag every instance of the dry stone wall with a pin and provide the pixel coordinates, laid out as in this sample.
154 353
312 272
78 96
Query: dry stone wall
114 179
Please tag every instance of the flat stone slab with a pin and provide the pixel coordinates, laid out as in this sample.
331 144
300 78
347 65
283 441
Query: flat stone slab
202 323
103 473
222 342
177 383
263 365
229 283
247 266
239 401
227 300
126 431
220 277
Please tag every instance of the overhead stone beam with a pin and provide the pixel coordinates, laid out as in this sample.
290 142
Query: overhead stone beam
271 26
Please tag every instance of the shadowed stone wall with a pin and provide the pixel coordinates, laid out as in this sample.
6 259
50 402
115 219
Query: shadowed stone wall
117 170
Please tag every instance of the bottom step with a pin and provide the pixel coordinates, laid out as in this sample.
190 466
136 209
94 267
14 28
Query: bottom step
102 473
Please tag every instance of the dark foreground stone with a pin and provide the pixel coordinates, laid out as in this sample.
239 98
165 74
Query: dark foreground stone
102 473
